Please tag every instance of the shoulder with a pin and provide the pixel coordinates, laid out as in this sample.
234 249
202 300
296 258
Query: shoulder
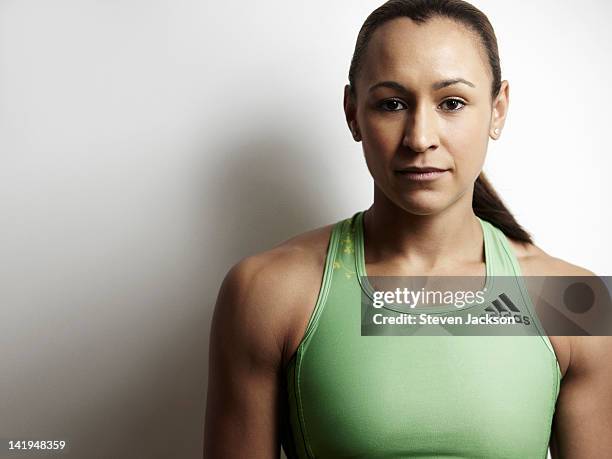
581 354
536 262
282 267
262 294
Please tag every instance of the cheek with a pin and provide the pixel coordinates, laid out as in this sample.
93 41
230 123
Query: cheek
466 141
381 137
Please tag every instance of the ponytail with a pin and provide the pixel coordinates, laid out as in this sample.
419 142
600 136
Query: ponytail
488 206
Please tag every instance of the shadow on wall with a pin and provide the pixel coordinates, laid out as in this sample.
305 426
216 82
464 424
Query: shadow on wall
151 347
259 194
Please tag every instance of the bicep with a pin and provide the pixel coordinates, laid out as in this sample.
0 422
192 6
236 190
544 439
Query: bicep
582 426
243 387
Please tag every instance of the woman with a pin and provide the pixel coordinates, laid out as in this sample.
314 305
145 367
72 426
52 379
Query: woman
287 360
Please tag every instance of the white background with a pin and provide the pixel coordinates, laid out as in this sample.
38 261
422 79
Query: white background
146 146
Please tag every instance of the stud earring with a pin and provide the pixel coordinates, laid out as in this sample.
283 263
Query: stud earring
496 131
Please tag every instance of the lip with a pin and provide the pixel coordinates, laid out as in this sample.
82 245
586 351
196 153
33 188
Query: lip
421 174
421 169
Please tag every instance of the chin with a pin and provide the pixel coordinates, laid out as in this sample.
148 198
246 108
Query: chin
422 211
423 207
423 203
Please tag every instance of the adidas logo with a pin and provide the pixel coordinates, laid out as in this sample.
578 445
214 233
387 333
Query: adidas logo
504 307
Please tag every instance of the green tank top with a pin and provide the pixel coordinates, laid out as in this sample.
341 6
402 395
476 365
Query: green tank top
348 395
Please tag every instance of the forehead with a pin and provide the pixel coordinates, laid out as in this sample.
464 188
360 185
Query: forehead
419 54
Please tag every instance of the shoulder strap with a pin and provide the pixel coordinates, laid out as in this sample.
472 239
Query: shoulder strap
499 254
506 264
328 271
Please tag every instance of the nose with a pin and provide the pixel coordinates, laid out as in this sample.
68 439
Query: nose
421 129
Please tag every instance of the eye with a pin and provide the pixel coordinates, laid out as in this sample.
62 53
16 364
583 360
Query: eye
391 105
452 105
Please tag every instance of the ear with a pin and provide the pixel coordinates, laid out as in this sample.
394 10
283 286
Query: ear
350 112
500 111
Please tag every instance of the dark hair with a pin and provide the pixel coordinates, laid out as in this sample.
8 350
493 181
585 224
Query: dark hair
486 203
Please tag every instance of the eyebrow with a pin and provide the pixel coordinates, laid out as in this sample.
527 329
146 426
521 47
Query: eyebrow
436 86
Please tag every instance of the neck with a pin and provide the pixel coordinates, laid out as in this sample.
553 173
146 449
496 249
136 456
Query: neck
423 243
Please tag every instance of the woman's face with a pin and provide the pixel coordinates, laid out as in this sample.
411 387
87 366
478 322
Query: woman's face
424 100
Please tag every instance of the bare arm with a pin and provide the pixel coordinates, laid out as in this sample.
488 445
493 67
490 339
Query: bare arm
245 359
582 427
582 424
